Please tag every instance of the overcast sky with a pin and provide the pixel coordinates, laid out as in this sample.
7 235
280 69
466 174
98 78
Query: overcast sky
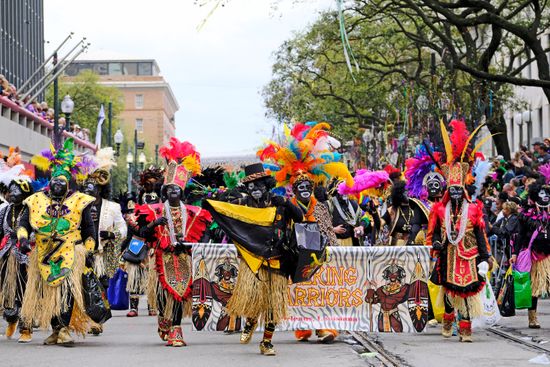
216 73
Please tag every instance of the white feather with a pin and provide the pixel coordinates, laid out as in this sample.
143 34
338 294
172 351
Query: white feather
480 170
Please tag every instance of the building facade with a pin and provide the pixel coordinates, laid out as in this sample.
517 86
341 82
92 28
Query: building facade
149 103
21 39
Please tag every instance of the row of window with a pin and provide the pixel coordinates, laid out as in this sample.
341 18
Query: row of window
111 68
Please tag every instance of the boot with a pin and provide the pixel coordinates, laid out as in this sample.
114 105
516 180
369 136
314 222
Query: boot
465 331
447 325
52 339
266 348
303 335
164 328
96 329
533 320
175 339
25 337
151 311
10 329
134 303
64 337
326 336
249 328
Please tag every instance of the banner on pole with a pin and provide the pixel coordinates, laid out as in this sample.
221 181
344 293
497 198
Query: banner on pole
359 288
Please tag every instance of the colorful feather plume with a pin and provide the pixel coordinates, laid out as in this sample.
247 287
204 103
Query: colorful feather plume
545 171
364 180
480 172
182 153
302 154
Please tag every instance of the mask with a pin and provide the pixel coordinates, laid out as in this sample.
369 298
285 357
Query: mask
58 187
434 188
303 191
150 198
16 195
256 189
543 198
456 192
91 189
173 194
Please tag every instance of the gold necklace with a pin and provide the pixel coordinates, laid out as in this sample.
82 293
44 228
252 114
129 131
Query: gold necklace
407 226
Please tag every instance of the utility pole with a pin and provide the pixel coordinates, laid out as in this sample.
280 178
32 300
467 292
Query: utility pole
156 155
56 135
110 129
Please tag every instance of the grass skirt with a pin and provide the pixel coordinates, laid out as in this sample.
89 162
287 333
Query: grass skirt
472 306
540 277
137 278
41 302
12 282
258 296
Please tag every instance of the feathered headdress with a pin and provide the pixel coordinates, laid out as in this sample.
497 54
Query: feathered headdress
421 166
303 156
151 173
104 160
544 170
364 181
459 155
64 162
480 171
183 162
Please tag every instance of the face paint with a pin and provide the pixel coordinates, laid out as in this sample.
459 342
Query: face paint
456 192
173 194
91 189
434 188
16 195
256 189
543 198
303 191
58 187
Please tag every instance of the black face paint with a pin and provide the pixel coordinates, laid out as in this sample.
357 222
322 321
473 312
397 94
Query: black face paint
434 187
91 189
456 192
16 194
303 191
543 198
58 187
173 194
257 190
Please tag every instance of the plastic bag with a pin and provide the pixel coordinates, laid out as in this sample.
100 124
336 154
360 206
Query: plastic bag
118 297
95 299
437 307
491 314
505 299
522 289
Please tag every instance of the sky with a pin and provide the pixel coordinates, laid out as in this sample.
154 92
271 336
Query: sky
216 73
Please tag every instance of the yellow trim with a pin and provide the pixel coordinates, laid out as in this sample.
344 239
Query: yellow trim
258 216
254 262
89 244
22 233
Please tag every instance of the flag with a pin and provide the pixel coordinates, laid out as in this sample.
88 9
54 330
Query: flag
100 119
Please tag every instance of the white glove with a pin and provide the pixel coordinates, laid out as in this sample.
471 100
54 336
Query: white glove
483 268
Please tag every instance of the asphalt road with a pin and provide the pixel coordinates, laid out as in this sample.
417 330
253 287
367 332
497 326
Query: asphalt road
134 342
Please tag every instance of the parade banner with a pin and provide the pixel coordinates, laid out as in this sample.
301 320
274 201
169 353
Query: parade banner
358 288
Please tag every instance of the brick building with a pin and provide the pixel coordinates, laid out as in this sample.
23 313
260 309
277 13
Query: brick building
149 103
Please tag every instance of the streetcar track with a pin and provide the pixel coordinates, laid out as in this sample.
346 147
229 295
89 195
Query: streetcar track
500 332
385 358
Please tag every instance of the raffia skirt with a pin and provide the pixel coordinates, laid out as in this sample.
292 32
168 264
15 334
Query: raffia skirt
540 277
42 302
264 295
12 281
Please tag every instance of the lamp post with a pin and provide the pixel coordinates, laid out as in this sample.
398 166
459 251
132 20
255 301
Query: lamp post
119 138
142 160
130 162
67 107
526 119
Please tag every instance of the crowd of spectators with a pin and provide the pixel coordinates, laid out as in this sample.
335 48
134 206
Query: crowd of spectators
8 90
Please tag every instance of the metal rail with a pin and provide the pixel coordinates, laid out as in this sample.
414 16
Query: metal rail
384 357
509 336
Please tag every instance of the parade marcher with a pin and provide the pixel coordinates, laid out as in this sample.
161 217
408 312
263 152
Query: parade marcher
405 217
456 232
346 218
535 233
13 257
175 225
137 268
108 221
65 236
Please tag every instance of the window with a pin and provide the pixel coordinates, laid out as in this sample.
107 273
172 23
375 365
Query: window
139 101
130 68
139 125
71 70
115 68
145 68
100 68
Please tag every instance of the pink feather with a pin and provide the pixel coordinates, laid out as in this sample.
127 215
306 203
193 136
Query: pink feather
364 180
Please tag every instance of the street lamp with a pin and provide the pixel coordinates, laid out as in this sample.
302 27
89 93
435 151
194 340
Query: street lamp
130 161
67 107
119 138
142 159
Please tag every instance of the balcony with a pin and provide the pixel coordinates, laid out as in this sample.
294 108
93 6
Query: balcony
19 127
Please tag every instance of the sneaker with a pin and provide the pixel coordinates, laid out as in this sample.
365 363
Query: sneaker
132 313
52 339
25 337
266 348
10 330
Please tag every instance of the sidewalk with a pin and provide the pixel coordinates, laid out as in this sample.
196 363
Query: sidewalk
430 349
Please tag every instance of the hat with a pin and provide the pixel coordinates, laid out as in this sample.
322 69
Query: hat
182 162
253 172
105 161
